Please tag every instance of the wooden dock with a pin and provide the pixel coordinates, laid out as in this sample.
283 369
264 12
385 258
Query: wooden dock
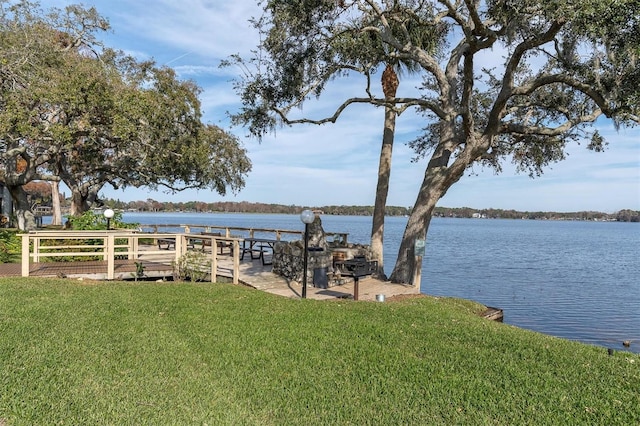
133 260
252 273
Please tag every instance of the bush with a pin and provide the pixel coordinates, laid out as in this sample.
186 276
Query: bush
193 266
88 221
9 246
92 221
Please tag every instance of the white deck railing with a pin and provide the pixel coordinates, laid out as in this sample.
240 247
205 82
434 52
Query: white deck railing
109 244
240 232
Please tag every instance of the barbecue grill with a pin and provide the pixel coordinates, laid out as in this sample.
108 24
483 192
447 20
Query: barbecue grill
357 267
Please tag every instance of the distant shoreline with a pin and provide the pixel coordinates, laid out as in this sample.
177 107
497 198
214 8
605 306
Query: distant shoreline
454 212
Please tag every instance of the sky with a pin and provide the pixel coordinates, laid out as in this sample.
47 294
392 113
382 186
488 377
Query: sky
336 164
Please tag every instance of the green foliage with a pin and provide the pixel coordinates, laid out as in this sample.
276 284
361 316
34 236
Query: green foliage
86 114
183 353
565 64
10 246
139 271
33 50
88 221
193 265
628 216
94 220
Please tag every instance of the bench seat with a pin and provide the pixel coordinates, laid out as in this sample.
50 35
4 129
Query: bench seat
168 242
256 253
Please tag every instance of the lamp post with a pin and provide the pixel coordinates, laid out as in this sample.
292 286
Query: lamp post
306 217
108 214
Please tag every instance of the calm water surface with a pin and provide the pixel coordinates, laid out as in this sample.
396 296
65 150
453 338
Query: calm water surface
576 280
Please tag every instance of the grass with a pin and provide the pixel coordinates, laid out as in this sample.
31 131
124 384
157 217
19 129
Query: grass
181 353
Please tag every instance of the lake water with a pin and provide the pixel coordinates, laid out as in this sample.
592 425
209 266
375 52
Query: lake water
576 280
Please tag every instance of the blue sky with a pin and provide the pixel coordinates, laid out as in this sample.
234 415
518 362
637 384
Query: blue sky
336 164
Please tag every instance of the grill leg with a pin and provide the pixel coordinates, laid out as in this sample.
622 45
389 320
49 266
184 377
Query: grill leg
355 287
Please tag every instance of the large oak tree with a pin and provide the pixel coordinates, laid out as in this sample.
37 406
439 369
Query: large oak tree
557 66
125 123
73 111
30 47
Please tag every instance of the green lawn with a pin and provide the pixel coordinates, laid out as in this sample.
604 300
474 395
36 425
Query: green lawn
180 353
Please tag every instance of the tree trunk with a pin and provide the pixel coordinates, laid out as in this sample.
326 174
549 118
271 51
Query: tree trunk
390 83
79 203
56 218
382 190
83 199
7 205
417 226
438 178
25 217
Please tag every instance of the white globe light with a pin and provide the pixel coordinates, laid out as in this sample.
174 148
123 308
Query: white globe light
108 213
307 216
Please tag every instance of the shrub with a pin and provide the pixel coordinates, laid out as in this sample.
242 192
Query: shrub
92 221
9 246
193 266
88 221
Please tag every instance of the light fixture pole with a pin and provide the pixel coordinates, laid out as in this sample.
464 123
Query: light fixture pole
306 217
108 214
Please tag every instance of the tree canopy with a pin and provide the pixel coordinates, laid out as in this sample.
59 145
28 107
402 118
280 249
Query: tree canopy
556 67
73 110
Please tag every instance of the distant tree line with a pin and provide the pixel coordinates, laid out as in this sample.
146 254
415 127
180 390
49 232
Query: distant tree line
466 212
151 205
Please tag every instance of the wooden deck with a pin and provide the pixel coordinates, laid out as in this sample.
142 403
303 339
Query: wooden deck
158 264
252 273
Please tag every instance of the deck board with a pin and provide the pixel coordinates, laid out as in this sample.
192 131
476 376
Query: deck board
93 269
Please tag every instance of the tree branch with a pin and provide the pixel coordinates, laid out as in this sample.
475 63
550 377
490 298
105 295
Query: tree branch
506 90
547 79
392 103
523 129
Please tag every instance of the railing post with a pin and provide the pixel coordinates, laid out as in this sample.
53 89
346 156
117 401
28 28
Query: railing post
181 245
132 247
105 247
214 260
25 255
36 249
111 256
236 261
